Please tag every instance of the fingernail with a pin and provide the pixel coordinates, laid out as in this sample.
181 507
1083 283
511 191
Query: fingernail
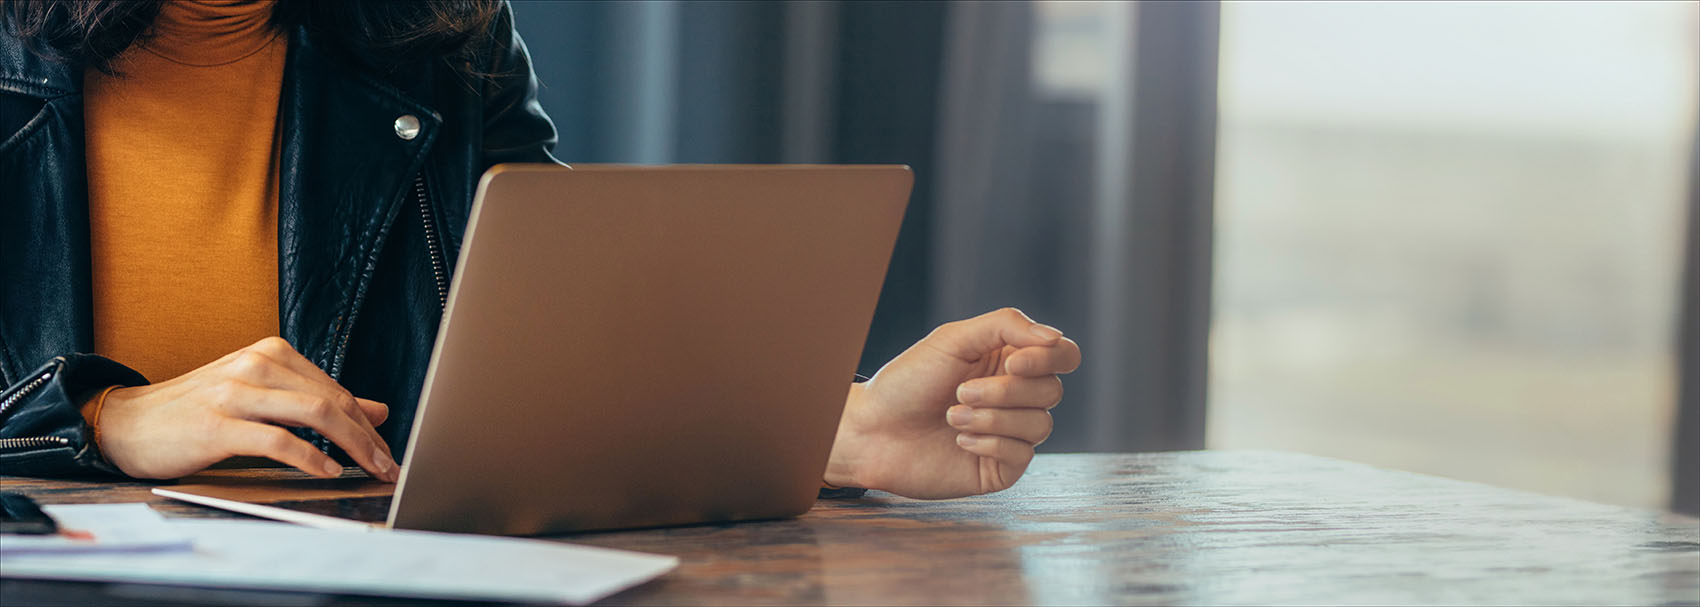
966 440
959 416
1045 332
385 464
332 468
969 393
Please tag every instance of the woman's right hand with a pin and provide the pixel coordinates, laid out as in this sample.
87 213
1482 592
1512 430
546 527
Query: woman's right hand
229 407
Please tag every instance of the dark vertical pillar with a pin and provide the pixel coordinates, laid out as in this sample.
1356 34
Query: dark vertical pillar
1151 300
1685 463
810 76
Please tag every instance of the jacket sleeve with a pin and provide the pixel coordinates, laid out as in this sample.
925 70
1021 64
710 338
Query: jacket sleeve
515 127
42 432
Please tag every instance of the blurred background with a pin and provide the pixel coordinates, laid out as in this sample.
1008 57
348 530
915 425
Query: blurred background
1452 238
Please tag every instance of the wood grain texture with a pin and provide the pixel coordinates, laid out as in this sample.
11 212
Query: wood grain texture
1191 528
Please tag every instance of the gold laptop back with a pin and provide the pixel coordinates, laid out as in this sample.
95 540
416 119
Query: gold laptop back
644 346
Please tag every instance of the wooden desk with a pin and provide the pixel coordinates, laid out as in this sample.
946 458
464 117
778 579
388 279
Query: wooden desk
1200 527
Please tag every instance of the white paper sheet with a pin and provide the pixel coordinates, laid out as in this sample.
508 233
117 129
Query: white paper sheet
88 528
280 556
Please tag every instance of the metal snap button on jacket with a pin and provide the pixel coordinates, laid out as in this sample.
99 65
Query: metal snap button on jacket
407 127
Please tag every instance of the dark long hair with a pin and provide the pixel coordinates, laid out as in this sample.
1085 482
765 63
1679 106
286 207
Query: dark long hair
383 32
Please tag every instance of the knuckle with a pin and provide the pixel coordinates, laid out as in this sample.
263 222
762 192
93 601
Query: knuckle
268 344
224 392
248 363
320 408
276 441
346 403
1014 315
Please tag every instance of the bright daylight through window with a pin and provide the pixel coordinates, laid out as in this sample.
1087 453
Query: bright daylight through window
1449 237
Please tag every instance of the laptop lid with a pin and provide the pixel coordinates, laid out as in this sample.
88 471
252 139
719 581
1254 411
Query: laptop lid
642 346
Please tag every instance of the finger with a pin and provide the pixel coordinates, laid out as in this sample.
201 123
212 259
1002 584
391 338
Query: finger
1011 391
279 350
972 338
328 418
1011 457
265 370
263 440
273 376
1031 426
375 411
1034 361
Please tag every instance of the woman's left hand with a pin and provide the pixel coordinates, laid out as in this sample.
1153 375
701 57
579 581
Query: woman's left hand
956 414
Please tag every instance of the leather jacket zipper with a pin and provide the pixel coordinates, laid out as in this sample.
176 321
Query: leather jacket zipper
17 397
8 444
439 269
433 242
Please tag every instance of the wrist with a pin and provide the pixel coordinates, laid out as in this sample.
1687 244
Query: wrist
91 413
116 427
841 465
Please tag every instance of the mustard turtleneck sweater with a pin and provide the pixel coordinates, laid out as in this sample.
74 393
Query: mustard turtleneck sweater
183 180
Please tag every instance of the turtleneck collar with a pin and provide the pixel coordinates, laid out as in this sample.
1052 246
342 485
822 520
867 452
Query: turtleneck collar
205 33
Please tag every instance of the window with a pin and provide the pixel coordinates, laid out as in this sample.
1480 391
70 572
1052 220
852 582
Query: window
1449 237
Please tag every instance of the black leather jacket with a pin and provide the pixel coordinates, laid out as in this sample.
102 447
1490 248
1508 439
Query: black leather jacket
369 224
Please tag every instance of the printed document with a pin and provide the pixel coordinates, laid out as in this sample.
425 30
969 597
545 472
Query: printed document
88 528
418 564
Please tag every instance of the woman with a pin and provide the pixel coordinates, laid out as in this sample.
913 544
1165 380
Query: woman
257 207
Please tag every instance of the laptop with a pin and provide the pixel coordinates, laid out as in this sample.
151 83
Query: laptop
628 347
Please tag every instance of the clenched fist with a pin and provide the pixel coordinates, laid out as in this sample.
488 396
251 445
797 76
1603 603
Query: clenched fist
956 414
